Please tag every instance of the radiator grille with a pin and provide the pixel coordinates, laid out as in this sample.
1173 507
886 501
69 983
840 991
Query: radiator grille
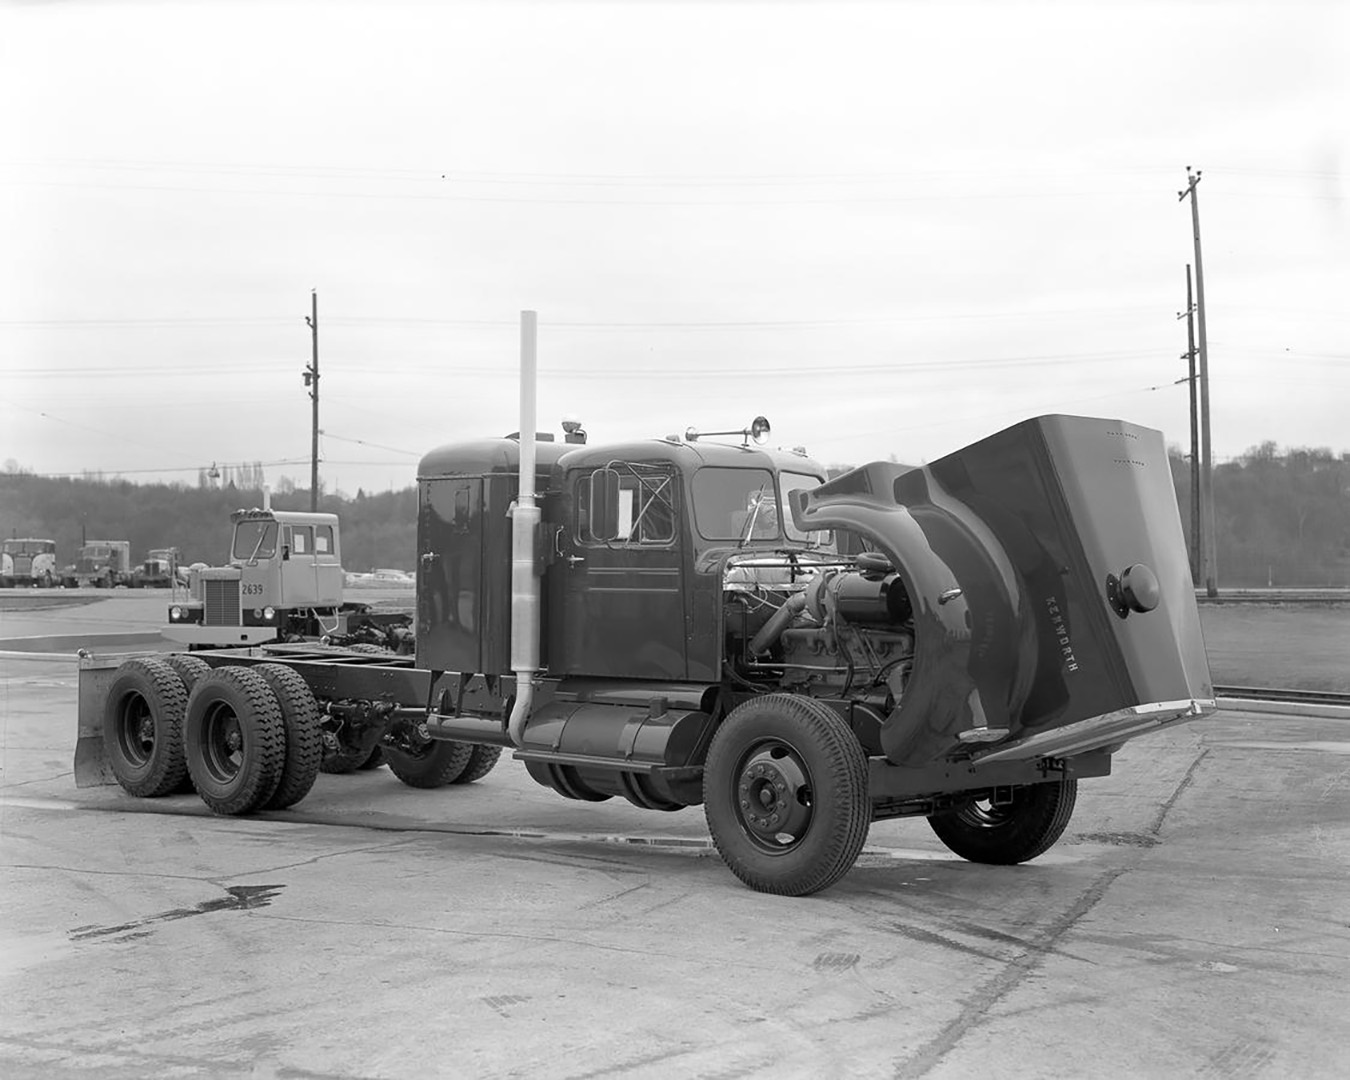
221 600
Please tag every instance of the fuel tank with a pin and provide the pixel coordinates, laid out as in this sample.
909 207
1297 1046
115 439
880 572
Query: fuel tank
1053 605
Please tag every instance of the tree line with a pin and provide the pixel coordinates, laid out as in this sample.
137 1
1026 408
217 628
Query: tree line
1283 517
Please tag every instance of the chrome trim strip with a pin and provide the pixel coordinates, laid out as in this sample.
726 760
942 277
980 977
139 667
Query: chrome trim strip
1098 731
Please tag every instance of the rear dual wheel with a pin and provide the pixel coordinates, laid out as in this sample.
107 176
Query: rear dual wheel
143 722
235 740
354 759
304 740
189 669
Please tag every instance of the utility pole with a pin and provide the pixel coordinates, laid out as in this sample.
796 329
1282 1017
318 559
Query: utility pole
1189 355
1209 558
312 381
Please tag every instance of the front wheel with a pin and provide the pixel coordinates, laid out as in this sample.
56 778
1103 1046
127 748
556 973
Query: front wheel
1006 833
785 794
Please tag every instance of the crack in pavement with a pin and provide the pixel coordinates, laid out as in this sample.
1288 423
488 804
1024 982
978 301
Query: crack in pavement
1038 948
1156 826
978 1005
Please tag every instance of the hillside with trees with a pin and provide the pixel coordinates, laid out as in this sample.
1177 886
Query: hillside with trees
1283 516
377 530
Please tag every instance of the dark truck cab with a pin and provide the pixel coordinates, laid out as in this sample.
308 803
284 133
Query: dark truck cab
1009 615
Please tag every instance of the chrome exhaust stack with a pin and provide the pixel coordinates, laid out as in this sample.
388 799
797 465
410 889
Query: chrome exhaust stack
525 517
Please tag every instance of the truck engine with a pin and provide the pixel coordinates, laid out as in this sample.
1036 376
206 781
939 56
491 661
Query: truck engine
842 630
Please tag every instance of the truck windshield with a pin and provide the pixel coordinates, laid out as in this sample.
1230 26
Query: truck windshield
735 504
29 547
255 540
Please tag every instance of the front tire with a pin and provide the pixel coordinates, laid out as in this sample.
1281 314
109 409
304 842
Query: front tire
143 728
235 740
1008 833
785 794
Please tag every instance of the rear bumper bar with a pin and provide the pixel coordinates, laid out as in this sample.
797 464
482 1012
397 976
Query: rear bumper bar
1098 731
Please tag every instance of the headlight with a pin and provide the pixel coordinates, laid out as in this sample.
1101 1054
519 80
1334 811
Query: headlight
269 613
175 614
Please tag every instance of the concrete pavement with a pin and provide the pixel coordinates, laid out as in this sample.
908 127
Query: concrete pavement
1194 921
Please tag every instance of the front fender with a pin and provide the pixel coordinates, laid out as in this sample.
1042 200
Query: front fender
1035 526
974 646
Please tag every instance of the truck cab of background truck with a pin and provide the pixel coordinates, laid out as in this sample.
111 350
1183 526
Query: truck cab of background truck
285 570
28 561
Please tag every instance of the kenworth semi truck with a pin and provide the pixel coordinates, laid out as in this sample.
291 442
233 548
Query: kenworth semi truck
672 622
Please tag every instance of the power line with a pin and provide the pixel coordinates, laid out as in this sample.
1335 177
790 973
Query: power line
372 445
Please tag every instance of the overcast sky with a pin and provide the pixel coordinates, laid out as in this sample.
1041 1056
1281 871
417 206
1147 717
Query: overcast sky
891 228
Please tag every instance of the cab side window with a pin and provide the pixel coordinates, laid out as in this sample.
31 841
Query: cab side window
646 506
302 540
323 540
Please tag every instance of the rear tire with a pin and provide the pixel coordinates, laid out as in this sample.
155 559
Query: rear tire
190 669
785 794
235 740
432 766
1009 833
482 761
374 761
343 761
143 728
304 740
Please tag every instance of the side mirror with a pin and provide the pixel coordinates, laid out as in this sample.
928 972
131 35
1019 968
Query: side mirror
285 552
604 522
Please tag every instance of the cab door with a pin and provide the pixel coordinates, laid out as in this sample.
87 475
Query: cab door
617 608
299 574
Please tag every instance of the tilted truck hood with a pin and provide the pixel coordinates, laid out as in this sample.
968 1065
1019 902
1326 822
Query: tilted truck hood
1009 549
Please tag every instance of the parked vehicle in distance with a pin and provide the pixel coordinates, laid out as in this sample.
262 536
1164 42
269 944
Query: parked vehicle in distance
284 582
159 570
26 561
381 578
105 564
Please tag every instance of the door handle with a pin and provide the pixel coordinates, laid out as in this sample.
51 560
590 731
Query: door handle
574 559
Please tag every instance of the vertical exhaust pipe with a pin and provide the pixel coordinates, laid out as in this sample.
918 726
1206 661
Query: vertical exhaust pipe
524 524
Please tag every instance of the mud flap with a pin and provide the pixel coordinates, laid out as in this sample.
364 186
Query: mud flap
96 675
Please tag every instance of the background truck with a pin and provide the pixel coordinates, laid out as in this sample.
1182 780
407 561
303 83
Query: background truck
28 561
159 570
102 563
284 582
672 622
